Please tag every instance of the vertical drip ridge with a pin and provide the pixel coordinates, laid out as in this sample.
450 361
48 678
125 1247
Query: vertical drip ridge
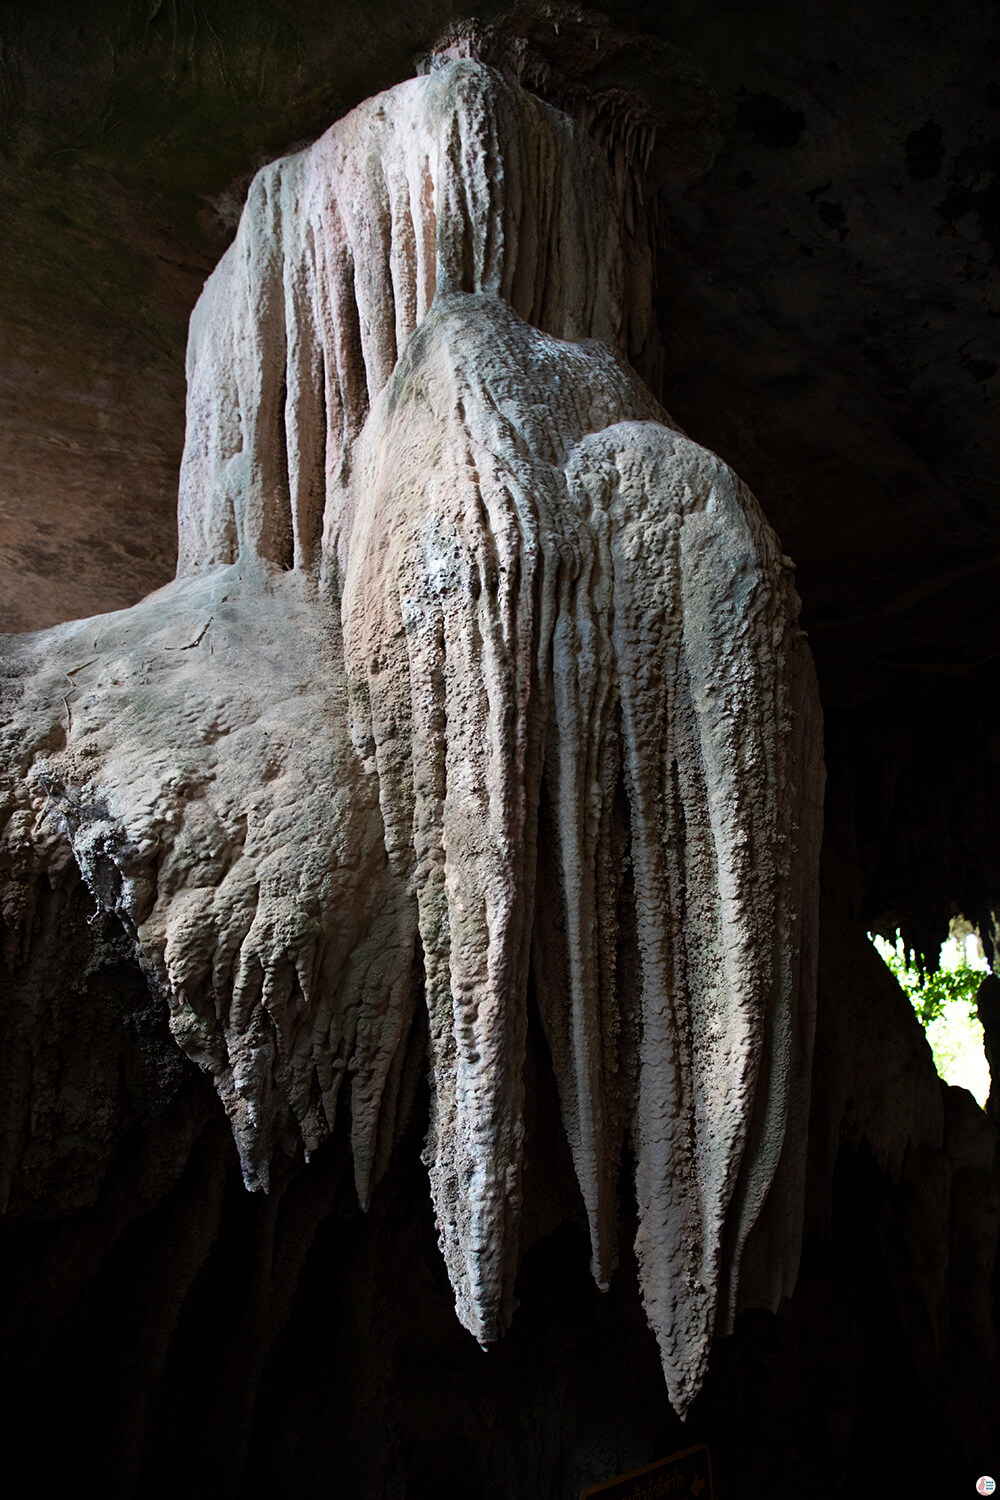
656 652
476 673
454 182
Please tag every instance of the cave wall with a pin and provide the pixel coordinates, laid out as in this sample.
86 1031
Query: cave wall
825 290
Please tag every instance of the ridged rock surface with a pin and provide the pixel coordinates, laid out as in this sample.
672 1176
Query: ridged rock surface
480 687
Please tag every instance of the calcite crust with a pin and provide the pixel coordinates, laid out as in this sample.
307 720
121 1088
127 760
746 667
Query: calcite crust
478 676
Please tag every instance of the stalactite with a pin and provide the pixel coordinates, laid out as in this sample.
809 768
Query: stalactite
476 673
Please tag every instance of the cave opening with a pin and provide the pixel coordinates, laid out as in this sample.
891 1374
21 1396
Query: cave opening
945 1001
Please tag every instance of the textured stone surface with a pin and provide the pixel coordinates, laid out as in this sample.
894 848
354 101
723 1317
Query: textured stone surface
825 290
823 308
475 670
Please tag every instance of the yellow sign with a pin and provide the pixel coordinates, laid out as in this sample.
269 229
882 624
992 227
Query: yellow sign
683 1476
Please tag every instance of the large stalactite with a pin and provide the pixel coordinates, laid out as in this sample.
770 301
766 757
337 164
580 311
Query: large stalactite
479 682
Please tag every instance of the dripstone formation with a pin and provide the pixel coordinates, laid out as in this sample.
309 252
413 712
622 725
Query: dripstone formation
479 688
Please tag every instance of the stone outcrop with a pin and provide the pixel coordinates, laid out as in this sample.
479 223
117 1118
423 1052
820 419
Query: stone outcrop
480 687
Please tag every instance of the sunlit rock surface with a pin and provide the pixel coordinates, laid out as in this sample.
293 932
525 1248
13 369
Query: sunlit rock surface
479 681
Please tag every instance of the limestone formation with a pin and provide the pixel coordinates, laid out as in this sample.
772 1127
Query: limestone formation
480 686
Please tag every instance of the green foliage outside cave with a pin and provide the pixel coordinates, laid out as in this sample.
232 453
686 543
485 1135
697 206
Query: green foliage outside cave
945 1004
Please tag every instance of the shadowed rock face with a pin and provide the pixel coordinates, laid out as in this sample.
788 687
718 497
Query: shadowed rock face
477 676
819 182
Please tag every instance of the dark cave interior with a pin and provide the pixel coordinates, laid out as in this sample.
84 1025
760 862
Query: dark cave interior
827 211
